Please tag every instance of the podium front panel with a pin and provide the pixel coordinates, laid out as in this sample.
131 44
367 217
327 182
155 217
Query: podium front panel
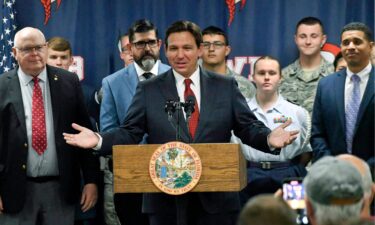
223 168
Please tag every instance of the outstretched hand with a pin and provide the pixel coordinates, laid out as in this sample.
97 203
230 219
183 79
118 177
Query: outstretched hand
86 138
280 138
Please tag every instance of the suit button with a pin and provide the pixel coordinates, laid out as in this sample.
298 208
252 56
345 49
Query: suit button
25 145
23 166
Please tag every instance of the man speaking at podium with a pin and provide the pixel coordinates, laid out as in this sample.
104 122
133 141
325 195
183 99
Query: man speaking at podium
219 109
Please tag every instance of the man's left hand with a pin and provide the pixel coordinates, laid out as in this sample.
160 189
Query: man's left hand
280 138
89 197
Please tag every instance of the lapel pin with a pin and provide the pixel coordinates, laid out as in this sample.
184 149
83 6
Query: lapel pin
55 77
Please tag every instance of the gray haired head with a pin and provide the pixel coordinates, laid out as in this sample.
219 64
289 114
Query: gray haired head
332 181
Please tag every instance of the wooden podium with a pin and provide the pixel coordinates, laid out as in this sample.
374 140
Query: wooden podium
223 168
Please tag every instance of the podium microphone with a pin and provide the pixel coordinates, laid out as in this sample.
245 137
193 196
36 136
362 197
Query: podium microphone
170 108
189 106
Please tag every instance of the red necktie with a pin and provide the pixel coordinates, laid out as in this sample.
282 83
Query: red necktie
193 122
38 120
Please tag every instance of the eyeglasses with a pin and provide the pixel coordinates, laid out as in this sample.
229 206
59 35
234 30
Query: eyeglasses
142 44
125 50
216 44
27 50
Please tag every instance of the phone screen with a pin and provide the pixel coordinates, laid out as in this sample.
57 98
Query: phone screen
294 195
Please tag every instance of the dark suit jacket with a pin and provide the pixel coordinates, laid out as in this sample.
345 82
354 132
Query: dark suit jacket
68 107
328 123
223 108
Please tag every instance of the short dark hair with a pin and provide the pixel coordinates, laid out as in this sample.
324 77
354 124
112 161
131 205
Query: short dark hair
59 44
184 26
360 27
215 30
337 59
141 26
310 21
267 57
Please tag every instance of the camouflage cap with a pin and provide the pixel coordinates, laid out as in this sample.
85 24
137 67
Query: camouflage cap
331 181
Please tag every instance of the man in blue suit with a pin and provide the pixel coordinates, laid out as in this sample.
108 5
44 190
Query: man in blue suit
343 115
118 91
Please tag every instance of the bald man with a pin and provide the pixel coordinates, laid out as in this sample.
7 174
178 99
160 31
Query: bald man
39 172
368 185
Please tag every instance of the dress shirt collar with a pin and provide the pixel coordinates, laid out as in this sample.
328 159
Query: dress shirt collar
278 106
195 78
140 71
26 79
362 74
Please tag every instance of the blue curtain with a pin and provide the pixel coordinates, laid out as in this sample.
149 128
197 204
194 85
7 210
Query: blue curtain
261 27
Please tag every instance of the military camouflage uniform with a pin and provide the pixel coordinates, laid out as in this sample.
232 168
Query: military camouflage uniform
246 87
299 87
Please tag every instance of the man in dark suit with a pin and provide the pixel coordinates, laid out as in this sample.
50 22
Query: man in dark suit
39 172
221 108
343 115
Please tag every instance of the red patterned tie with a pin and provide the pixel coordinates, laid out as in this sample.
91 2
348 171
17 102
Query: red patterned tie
194 119
38 121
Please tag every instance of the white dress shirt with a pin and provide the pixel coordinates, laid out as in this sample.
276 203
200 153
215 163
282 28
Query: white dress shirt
140 71
45 164
364 75
282 109
195 86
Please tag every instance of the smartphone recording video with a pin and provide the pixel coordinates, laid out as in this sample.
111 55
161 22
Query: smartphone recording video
294 194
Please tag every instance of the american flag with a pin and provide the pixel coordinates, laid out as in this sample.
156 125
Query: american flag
8 28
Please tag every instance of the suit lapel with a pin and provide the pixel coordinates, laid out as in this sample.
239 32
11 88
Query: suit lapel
55 92
167 85
16 97
131 79
340 97
367 97
208 93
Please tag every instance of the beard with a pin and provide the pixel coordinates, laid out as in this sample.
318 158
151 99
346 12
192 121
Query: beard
147 61
147 64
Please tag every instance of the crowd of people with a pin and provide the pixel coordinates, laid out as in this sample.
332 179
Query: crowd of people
312 119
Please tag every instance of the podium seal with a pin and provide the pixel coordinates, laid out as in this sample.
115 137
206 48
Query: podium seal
175 168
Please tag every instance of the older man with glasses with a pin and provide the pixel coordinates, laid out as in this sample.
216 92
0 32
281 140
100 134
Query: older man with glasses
39 173
216 48
125 53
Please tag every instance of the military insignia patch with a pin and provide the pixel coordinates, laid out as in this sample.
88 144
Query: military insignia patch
281 119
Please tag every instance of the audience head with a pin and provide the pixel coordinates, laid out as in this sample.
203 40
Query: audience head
125 53
215 46
339 62
334 191
267 74
144 43
356 45
266 209
309 36
30 50
183 47
59 53
368 185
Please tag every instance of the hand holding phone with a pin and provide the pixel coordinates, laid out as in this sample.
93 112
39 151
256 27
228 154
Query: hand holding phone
294 195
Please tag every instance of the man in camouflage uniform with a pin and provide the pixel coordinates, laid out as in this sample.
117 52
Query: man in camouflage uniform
215 50
302 76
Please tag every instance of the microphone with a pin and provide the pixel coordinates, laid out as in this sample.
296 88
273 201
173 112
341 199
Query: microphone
170 107
189 106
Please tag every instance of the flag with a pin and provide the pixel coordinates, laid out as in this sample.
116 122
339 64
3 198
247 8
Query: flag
8 28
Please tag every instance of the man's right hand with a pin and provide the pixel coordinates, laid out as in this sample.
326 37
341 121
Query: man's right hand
86 138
